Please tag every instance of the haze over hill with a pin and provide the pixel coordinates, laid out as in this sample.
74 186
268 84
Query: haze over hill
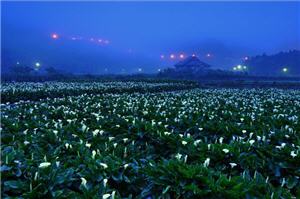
116 37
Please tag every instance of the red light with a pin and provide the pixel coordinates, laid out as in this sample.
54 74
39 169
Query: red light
172 56
54 36
181 56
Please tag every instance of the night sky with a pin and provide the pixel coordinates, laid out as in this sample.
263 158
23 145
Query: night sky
119 37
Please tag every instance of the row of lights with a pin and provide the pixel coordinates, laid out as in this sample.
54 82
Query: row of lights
240 68
100 41
171 56
244 68
181 56
38 65
141 70
236 68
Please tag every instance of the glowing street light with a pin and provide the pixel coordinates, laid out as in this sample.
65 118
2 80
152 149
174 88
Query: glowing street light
246 58
172 56
245 67
193 55
239 67
208 55
37 66
140 70
54 36
159 70
285 70
234 68
181 56
162 56
18 63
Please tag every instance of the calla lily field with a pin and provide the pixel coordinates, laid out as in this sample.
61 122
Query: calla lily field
148 140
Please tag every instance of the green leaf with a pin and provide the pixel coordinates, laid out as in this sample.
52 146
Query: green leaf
166 190
4 168
14 184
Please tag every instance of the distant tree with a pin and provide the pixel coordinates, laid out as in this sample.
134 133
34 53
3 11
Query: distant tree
21 70
274 64
51 71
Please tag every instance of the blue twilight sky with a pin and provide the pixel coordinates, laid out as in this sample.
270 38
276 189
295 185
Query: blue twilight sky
125 37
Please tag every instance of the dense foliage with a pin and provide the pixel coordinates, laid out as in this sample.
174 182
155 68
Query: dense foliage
272 65
201 143
13 92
